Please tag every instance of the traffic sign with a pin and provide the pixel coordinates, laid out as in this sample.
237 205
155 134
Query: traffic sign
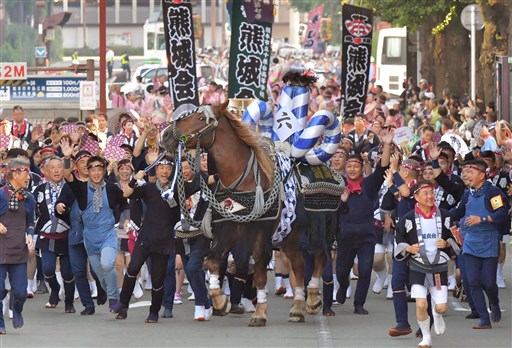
87 95
40 52
43 89
13 71
465 17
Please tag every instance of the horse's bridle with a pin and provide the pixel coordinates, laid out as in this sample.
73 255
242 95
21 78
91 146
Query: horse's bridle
210 126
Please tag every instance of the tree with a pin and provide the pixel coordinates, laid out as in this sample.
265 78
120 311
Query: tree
497 20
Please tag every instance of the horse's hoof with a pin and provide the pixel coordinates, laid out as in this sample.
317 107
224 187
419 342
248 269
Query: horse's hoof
314 308
257 322
226 308
296 318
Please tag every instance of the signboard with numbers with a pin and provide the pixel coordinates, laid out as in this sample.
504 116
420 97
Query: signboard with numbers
39 88
179 42
249 59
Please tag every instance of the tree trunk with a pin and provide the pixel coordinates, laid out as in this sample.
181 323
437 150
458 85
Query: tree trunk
495 41
452 48
426 47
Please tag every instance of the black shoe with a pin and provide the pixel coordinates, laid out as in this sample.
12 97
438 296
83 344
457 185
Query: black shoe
41 288
495 313
88 311
341 295
152 318
236 309
70 308
360 310
473 315
167 313
102 298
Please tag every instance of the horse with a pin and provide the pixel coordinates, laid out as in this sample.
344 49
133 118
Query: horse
233 147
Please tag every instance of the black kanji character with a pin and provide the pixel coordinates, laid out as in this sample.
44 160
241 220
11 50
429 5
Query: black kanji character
181 53
356 86
245 93
357 57
315 19
251 38
283 119
248 70
353 107
179 21
183 86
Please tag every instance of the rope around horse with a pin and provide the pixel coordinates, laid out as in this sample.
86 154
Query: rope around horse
205 225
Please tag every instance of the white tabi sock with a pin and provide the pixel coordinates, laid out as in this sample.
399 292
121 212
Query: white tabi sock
425 331
214 281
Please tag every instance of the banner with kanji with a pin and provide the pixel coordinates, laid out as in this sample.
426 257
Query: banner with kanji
313 30
355 56
181 69
249 59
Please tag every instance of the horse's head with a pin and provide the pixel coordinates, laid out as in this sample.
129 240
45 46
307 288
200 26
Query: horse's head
198 125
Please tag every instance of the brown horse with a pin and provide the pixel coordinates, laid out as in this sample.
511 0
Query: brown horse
230 144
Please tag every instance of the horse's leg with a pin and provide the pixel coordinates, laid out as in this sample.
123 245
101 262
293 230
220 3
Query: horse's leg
314 300
259 317
290 247
220 302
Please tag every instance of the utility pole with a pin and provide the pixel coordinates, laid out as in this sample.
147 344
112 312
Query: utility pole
213 22
103 58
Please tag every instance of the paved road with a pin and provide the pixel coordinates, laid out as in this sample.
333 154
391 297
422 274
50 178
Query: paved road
53 328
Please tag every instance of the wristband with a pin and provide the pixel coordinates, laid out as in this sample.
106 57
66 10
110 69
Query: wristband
393 189
435 164
67 163
397 179
132 183
483 219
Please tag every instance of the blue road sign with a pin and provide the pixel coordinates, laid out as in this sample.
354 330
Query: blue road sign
40 52
44 89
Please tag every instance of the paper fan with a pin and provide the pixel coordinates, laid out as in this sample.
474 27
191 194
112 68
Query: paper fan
436 137
91 145
116 140
162 126
4 142
69 128
114 153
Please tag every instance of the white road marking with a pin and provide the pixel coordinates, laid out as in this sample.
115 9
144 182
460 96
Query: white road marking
323 333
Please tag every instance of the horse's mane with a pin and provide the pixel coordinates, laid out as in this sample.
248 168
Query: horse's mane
264 161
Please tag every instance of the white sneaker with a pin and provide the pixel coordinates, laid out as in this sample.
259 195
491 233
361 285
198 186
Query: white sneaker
5 303
389 294
192 297
189 289
248 306
288 295
451 284
138 293
349 291
202 314
378 285
439 325
501 283
148 285
94 289
208 313
353 276
386 283
177 298
10 314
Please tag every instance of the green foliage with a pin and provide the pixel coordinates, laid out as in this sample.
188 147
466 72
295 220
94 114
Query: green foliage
19 45
412 13
20 11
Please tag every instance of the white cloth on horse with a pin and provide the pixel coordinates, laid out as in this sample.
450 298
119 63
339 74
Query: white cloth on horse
288 215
